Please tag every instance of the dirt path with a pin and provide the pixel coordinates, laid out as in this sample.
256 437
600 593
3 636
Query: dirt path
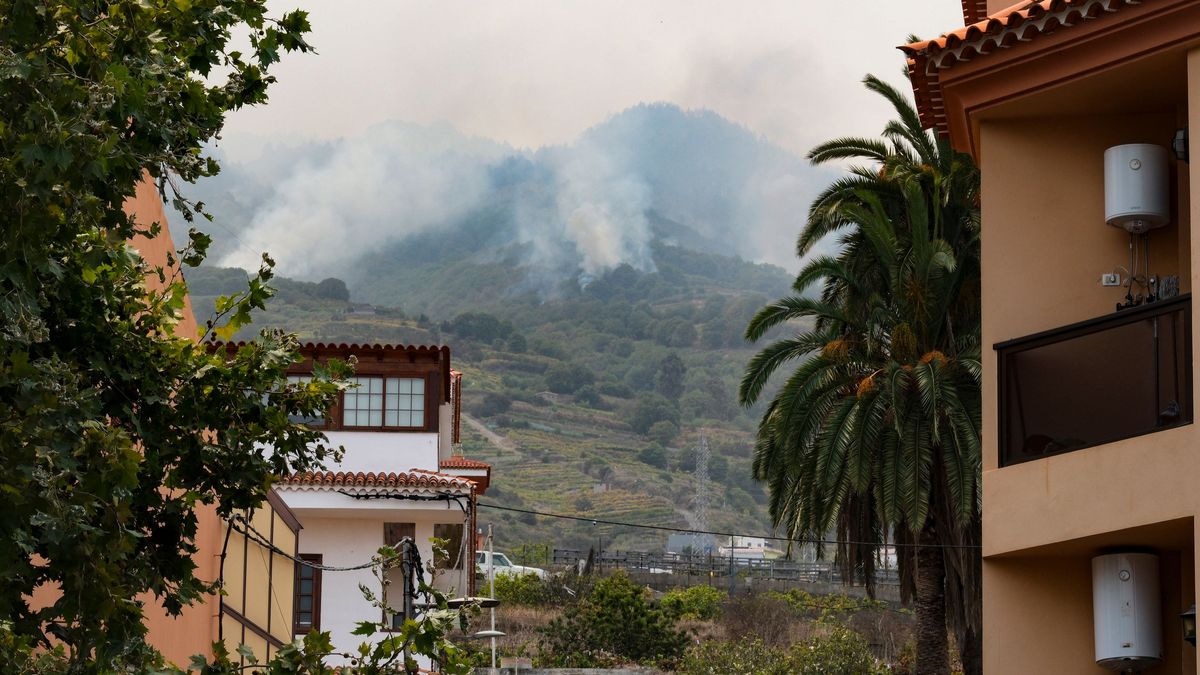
502 442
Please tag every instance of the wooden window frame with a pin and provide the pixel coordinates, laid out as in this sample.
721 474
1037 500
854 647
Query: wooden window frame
425 412
297 629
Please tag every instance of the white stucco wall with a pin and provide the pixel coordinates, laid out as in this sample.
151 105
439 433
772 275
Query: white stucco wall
351 541
378 451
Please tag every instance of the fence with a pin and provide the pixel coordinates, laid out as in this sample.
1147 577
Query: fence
679 569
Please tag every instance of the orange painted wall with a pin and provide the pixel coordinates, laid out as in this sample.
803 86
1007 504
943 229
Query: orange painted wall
193 632
1045 245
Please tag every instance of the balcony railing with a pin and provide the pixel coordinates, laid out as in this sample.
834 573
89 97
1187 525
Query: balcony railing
1097 381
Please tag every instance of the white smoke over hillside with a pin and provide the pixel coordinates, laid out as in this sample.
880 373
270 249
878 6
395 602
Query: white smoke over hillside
322 213
579 208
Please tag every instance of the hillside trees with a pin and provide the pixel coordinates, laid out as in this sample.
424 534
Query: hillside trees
877 429
669 379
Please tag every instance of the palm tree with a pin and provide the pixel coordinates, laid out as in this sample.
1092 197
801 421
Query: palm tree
877 430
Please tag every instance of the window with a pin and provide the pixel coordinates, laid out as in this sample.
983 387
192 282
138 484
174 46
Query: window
385 402
308 594
452 533
394 532
315 420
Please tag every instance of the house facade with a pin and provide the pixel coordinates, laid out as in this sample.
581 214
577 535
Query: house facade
400 476
1089 450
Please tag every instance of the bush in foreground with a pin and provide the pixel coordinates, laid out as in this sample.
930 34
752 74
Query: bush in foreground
615 623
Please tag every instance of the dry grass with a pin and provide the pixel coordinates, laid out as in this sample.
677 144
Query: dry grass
745 617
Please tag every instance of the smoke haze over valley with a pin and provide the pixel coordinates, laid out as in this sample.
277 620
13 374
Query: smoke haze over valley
651 173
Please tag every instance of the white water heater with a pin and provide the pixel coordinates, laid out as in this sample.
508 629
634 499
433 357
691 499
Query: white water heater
1127 611
1136 187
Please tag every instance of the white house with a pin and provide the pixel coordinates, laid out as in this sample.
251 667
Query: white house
399 477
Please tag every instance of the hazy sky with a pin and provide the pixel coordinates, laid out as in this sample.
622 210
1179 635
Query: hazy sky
535 73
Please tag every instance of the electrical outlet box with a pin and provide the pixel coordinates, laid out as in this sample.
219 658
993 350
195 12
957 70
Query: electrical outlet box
1110 279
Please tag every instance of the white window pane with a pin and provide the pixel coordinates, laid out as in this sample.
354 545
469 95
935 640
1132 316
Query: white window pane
418 386
399 385
350 418
376 402
376 418
417 403
391 418
376 385
391 401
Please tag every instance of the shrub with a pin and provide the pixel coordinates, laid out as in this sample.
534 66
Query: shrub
758 617
520 589
663 432
614 623
654 455
587 395
742 657
702 603
838 651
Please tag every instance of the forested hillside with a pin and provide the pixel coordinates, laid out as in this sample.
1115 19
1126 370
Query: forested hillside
594 294
594 400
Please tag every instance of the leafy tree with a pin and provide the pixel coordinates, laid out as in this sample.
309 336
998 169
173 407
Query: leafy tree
669 380
517 344
113 430
479 326
878 428
663 432
649 409
587 395
655 455
568 378
332 289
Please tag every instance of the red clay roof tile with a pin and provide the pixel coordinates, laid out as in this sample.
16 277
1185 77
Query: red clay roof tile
1021 22
463 463
414 478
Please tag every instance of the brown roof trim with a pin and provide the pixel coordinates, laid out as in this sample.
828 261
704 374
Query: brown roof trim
1022 22
456 411
251 626
282 510
974 10
442 352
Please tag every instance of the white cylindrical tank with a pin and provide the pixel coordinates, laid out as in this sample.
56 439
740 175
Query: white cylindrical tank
1126 610
1137 191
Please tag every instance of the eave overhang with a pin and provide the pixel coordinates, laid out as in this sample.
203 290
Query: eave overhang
1033 46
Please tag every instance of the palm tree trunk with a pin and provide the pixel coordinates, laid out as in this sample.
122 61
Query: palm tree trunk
933 648
971 652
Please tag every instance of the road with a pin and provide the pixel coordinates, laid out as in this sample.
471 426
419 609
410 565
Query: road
502 442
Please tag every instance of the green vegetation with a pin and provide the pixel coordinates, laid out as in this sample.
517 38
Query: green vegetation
614 624
695 602
578 379
832 651
877 430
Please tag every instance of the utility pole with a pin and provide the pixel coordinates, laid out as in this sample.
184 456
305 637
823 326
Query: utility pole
492 588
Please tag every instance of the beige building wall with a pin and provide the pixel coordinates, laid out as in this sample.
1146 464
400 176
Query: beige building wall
1045 245
256 610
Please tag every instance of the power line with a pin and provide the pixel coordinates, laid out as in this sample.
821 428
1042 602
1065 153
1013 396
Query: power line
684 530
